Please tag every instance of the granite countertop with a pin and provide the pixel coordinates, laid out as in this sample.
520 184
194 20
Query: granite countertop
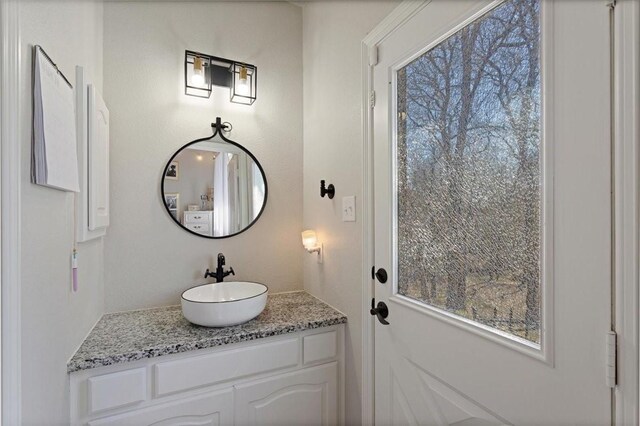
130 336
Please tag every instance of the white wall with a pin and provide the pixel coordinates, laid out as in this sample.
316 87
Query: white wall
149 260
54 320
333 151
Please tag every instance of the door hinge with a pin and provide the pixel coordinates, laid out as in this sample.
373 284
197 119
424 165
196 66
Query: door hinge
373 55
612 349
372 99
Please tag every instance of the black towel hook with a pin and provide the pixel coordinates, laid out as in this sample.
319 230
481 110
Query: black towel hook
330 191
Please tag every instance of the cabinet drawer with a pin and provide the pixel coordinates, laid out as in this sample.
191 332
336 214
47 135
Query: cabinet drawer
116 389
319 347
209 409
192 372
196 217
201 228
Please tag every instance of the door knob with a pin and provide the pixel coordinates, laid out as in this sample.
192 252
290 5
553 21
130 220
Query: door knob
381 311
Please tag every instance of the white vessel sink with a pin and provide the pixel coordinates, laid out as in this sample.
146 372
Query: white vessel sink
224 304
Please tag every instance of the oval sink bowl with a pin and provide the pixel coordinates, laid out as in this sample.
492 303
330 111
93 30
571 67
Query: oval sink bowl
224 304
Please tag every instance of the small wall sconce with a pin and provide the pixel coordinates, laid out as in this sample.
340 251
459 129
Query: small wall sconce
310 243
202 72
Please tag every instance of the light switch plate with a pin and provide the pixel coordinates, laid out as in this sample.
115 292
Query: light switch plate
349 208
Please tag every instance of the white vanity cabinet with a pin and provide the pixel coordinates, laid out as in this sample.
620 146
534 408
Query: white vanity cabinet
200 222
304 397
295 378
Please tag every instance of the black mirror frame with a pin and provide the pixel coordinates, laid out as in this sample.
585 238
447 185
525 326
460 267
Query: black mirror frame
218 127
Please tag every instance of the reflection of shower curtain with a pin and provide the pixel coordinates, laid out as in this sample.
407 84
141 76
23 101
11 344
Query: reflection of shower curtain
257 184
238 193
234 201
221 214
244 181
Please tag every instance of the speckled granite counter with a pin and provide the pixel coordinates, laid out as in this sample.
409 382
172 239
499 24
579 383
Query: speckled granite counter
129 336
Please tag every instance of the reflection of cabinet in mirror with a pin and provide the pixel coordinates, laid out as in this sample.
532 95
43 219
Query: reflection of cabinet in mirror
200 222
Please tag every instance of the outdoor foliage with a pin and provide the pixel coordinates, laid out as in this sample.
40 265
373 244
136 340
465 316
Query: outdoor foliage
469 172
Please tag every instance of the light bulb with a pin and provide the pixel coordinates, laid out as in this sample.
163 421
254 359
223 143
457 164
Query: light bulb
243 88
197 78
309 239
311 244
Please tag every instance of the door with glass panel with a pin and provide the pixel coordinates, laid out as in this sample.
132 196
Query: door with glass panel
492 215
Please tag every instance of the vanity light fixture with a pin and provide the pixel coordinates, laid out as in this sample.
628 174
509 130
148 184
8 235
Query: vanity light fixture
202 72
310 243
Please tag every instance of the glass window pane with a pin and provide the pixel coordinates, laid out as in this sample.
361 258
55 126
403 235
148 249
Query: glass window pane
468 161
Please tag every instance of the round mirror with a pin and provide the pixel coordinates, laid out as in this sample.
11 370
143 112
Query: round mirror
213 187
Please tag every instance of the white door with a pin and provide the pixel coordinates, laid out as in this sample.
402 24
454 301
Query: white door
492 214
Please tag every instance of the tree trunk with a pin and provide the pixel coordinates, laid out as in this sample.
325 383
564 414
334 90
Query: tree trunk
456 262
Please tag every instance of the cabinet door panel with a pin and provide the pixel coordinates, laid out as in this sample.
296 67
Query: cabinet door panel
98 161
305 397
116 390
213 409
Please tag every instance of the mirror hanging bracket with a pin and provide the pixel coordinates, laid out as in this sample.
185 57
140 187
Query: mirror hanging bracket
220 127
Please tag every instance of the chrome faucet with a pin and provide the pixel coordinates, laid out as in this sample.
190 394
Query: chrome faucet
220 272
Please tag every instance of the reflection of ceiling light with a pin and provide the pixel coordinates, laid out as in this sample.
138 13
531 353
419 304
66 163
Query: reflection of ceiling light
199 157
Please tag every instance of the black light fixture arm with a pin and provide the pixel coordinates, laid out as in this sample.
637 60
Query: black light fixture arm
329 191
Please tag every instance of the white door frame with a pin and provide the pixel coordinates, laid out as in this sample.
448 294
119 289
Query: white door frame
626 136
369 55
10 158
626 209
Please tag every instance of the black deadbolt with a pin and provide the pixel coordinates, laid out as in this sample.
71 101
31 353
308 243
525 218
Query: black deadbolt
381 275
